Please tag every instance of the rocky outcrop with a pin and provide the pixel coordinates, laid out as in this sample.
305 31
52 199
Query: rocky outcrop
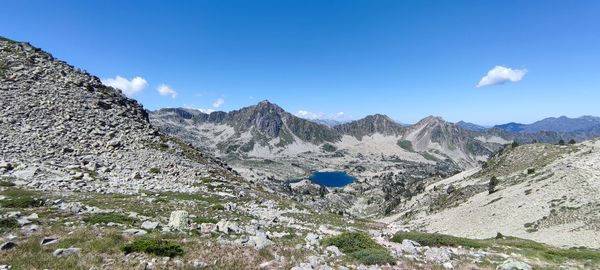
61 128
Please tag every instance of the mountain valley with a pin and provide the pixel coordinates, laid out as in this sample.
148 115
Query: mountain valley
90 179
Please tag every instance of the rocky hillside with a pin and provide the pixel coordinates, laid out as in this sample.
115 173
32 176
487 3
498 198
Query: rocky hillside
60 128
543 192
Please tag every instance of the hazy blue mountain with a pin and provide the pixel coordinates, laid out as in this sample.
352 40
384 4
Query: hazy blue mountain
470 126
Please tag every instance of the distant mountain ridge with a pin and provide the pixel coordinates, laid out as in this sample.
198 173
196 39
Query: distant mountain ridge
266 130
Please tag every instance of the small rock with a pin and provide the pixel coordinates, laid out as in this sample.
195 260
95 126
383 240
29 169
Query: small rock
30 229
439 255
8 245
179 220
334 250
135 232
150 225
197 264
312 239
206 228
513 265
410 246
23 221
448 265
259 241
227 227
62 252
48 240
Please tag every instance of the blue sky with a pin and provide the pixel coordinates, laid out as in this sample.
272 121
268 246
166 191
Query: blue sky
406 59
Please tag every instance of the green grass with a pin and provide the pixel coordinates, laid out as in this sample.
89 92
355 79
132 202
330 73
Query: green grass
523 246
19 198
201 220
107 218
406 145
154 170
361 247
154 246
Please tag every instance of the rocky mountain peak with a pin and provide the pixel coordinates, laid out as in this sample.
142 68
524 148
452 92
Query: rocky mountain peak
371 124
431 121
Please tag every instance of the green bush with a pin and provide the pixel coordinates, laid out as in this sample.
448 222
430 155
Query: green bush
219 207
361 247
7 224
492 185
107 218
530 171
154 170
157 247
373 256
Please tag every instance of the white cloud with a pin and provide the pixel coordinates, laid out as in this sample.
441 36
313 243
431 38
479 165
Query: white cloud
500 75
165 90
320 115
192 107
129 87
206 110
217 103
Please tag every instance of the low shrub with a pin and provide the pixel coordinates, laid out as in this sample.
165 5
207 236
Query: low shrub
7 224
153 246
219 207
373 256
361 247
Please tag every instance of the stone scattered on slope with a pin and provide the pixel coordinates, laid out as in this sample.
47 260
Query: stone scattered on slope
179 220
62 252
8 245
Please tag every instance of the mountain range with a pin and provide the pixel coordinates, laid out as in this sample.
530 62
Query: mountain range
266 130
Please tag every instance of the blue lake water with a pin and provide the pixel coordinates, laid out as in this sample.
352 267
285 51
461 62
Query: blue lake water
332 179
